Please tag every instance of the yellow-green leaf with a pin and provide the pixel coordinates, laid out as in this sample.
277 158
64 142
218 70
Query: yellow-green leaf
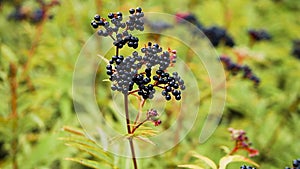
208 161
98 153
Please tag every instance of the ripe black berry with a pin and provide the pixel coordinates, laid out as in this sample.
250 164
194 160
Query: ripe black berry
97 17
168 97
94 24
138 9
131 11
110 15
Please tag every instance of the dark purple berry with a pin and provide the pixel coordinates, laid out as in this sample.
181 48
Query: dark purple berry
131 11
94 24
138 9
177 97
97 17
110 15
168 97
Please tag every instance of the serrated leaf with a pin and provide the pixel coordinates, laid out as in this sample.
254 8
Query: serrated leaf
235 158
89 163
191 166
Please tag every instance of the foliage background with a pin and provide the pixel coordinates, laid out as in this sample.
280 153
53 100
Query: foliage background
270 113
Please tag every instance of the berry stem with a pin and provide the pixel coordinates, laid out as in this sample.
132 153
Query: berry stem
117 51
129 131
141 123
142 102
14 115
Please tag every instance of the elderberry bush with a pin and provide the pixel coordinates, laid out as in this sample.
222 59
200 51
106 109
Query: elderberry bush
296 164
140 73
235 68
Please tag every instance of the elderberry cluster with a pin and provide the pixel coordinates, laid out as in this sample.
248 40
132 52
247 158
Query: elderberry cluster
259 35
22 13
138 70
296 164
235 68
135 22
215 34
247 167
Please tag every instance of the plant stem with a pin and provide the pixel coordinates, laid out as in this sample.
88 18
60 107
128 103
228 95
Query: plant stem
129 131
14 114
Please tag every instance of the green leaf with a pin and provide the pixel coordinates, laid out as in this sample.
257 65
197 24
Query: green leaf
89 163
81 142
235 158
225 149
98 153
192 166
8 53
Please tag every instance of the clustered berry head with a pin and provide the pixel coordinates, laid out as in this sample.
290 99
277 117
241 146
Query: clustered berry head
147 71
242 142
296 164
135 22
217 34
259 35
35 16
235 68
247 167
296 48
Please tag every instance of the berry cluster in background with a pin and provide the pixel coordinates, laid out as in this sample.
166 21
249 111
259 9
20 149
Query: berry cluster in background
215 34
296 48
259 35
235 68
24 13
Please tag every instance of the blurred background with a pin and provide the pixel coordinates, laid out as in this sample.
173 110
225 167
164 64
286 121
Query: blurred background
41 40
